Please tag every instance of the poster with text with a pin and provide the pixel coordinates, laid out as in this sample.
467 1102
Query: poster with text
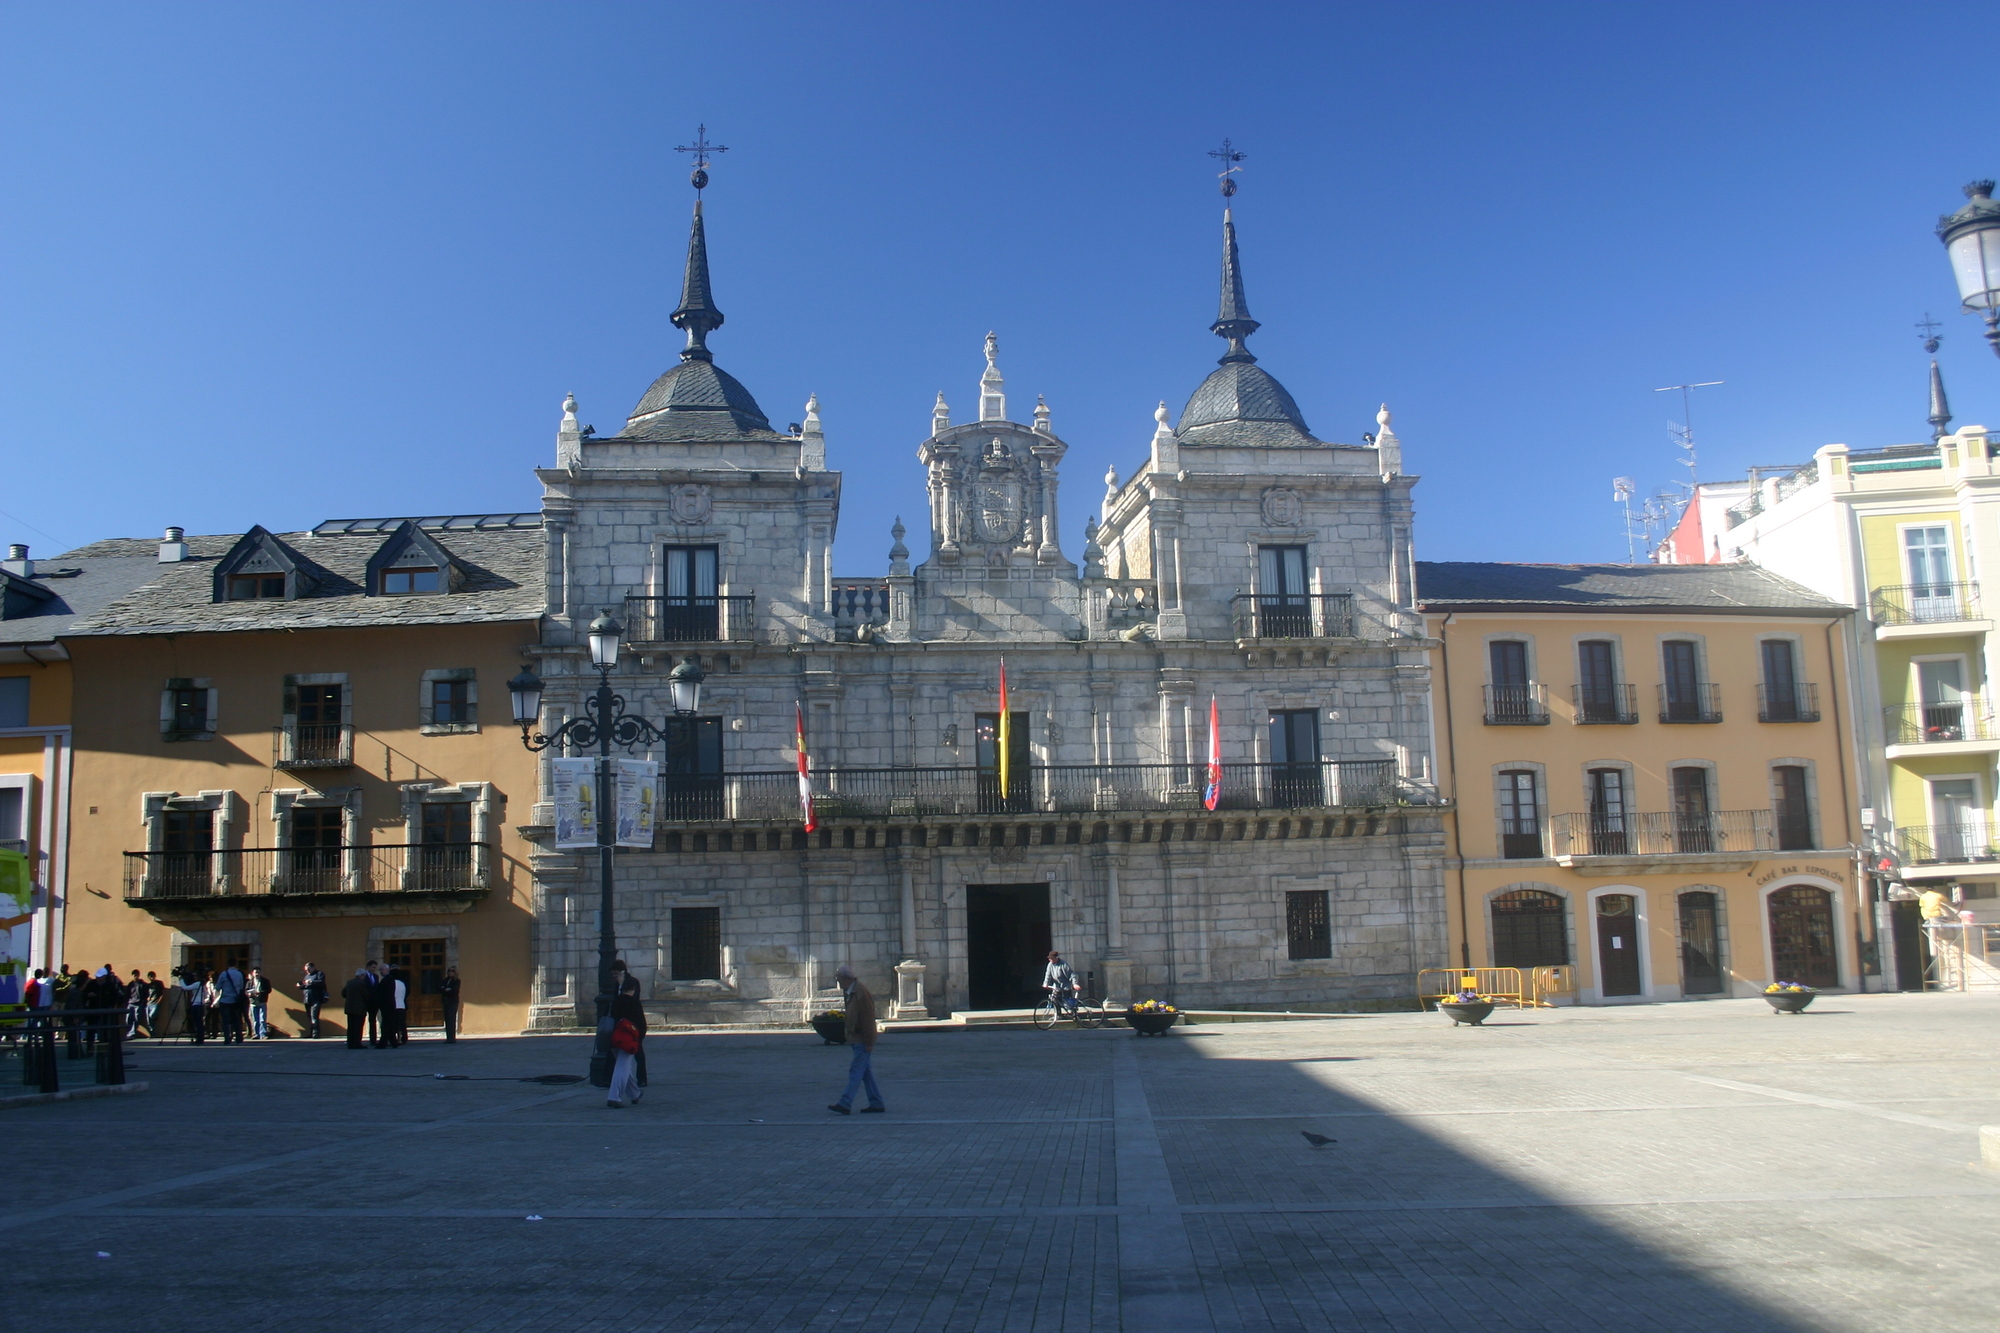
573 784
638 784
17 919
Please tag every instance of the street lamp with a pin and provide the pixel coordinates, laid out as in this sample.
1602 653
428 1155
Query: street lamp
605 723
1971 237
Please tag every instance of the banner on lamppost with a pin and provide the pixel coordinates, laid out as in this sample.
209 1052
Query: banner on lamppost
638 786
573 789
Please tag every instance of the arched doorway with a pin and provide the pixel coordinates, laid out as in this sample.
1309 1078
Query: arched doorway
1529 929
1802 936
1618 945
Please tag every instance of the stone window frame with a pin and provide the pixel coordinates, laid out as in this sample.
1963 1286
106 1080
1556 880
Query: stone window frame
426 705
290 724
1714 780
1525 638
488 807
1722 950
1801 673
353 859
379 935
1282 962
1543 813
183 940
1572 935
1813 808
226 824
213 703
1649 980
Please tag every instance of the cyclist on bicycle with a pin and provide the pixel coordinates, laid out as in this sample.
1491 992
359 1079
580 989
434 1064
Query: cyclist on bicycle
1060 983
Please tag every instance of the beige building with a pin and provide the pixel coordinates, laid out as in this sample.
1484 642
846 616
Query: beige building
1649 775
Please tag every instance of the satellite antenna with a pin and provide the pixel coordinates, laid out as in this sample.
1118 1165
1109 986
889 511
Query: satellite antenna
1684 432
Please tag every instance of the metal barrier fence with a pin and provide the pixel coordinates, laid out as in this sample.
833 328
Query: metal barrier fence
1964 955
96 1034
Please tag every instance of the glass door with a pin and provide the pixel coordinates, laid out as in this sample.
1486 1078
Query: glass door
1295 768
1958 831
1927 555
1941 699
1283 609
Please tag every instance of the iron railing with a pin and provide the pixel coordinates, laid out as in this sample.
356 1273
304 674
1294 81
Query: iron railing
1606 704
1798 704
1517 705
1949 844
1924 603
1701 704
1300 615
867 793
312 745
1662 832
1928 724
378 868
690 618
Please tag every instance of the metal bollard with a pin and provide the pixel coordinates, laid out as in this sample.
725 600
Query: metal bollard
111 1050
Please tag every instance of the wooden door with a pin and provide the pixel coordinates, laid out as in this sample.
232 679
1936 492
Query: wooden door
1802 936
422 963
1618 944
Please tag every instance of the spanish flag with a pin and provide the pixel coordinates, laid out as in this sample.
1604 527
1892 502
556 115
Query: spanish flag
805 774
1212 793
1006 734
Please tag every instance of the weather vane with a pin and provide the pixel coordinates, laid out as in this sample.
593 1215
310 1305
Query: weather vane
701 148
1929 328
1229 157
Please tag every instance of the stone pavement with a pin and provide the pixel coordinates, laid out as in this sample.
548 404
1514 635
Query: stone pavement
1675 1167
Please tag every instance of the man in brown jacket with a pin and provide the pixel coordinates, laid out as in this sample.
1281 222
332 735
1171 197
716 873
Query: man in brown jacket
861 1030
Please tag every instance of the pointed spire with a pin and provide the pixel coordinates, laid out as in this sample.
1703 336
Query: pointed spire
940 416
992 389
1234 322
697 313
1940 409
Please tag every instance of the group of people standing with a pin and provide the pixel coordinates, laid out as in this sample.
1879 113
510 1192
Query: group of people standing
376 1000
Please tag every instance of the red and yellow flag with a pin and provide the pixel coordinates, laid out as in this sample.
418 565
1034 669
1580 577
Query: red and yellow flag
805 774
1006 734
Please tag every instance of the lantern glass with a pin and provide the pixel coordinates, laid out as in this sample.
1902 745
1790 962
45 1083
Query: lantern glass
684 682
604 635
1975 262
527 691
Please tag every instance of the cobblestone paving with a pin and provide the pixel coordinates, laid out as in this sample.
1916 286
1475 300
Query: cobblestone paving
1674 1167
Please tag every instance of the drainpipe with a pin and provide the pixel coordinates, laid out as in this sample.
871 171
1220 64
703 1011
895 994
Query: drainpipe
1847 816
1451 762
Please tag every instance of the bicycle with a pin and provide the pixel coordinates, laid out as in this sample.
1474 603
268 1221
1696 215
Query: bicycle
1084 1013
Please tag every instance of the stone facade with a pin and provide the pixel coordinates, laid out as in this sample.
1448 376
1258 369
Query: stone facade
923 874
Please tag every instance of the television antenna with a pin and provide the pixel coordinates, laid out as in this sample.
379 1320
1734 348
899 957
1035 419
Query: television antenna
1683 433
1622 491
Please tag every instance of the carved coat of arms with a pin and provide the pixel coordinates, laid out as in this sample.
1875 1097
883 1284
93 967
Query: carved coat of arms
998 504
689 504
1284 507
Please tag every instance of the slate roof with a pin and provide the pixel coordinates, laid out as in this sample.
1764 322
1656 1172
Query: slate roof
504 569
1736 589
1240 403
99 578
697 400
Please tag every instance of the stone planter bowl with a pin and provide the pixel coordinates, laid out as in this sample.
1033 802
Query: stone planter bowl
1472 1015
1151 1024
1788 1002
832 1030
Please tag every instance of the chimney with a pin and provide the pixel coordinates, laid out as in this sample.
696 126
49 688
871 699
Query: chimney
17 561
172 549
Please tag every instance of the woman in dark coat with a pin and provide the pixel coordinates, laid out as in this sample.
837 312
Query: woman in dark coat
625 1008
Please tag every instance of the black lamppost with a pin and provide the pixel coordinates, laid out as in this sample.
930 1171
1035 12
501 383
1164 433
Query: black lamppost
605 723
1971 237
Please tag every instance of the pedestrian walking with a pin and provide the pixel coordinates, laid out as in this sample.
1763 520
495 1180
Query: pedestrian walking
628 1038
312 989
357 997
257 990
448 992
859 1006
195 982
155 990
230 988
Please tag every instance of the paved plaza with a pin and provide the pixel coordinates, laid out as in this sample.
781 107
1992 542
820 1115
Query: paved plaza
1685 1167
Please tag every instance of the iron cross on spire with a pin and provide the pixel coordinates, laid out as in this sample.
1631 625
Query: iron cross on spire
1229 157
701 148
1929 327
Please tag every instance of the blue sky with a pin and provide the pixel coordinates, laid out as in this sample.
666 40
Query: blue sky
280 263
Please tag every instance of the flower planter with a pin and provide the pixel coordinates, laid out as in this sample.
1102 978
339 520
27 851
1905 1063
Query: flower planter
1472 1015
832 1030
1789 1002
1151 1025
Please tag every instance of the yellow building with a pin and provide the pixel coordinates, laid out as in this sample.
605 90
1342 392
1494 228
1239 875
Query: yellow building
297 748
1649 775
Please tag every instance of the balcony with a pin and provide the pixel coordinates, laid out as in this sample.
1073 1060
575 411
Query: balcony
1942 851
878 793
312 745
1917 610
1606 705
1313 615
1517 705
1798 704
690 618
1964 727
1698 702
308 881
1666 833
860 606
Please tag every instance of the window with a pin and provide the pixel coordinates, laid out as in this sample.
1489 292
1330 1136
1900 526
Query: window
190 710
1308 924
1684 696
451 702
697 944
1958 823
13 701
252 587
212 958
187 847
689 611
400 581
14 818
444 859
313 863
691 777
1520 814
1529 929
1599 696
1941 687
1296 776
318 730
1607 812
1510 696
1693 828
1283 609
1794 812
1927 554
1781 682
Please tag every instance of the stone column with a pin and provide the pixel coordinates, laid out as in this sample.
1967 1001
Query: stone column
909 1001
1117 967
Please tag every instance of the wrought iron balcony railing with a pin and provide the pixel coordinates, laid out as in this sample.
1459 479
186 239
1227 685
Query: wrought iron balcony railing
1924 603
866 793
664 618
1303 615
312 745
1606 704
1517 705
1969 840
1663 832
1929 724
1701 702
1798 704
377 868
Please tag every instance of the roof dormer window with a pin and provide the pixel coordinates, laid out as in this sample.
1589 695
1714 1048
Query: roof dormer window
401 582
262 568
254 587
412 562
